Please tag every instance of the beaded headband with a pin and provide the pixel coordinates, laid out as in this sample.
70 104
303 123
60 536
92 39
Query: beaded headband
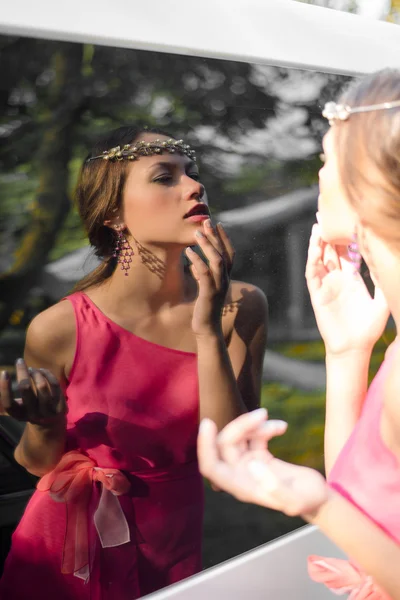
340 112
138 149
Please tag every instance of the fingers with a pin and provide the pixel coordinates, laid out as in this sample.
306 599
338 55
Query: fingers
46 401
215 488
330 258
265 433
213 236
214 255
58 403
374 281
213 277
6 394
40 397
315 270
25 389
228 246
345 263
232 441
380 303
219 252
198 267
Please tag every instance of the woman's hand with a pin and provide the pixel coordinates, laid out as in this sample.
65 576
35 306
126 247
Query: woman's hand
347 317
213 280
238 461
40 402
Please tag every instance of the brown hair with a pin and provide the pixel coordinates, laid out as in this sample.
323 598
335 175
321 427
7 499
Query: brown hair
99 192
368 146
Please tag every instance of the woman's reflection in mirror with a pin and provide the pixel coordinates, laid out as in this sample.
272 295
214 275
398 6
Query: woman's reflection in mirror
143 349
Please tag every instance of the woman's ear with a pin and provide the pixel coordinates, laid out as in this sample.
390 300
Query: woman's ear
110 223
114 221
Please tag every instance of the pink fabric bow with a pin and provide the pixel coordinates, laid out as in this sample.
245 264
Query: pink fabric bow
344 577
71 482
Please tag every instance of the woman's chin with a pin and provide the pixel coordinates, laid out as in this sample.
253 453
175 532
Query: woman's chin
335 238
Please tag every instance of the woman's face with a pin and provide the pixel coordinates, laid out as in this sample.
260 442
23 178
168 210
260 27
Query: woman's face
159 193
336 217
338 222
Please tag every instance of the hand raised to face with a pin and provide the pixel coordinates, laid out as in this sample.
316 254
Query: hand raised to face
348 318
213 279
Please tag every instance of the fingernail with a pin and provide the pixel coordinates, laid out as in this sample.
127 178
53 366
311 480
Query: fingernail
204 423
219 224
189 249
20 361
5 375
259 412
275 424
208 223
199 234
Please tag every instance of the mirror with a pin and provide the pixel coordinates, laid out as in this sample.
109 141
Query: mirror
257 133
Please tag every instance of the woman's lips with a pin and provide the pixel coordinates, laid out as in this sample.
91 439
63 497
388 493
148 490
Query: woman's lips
197 218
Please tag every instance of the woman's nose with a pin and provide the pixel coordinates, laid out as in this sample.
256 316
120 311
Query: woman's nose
195 189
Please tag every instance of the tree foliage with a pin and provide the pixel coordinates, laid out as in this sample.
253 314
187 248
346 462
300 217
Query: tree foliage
56 98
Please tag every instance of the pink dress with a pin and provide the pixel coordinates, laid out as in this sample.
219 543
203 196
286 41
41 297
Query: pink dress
367 473
132 429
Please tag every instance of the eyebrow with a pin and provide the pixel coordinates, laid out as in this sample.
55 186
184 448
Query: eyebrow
171 165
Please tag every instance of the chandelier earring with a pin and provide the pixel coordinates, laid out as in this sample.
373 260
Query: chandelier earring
354 253
123 251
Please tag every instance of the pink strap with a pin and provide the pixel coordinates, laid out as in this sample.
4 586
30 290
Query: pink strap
71 482
344 577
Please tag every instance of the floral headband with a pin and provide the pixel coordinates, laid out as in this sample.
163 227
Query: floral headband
341 112
138 149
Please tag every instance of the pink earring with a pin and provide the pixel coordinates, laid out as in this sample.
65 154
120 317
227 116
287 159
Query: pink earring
354 253
123 251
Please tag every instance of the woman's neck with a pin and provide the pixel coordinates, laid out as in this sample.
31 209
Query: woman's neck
154 281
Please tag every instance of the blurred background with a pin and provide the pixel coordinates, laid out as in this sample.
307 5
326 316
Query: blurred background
385 10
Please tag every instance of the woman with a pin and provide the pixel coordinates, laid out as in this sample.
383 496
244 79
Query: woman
142 349
359 507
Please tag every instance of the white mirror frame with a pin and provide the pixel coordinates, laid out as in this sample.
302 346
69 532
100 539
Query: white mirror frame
275 32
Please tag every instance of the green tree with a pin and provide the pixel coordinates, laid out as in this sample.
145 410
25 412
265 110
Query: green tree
56 98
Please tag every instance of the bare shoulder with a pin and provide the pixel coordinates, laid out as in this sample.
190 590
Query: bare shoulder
248 298
245 312
246 322
51 336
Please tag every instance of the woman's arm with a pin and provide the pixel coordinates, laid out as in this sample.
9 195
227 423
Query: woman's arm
247 341
350 322
346 388
230 377
375 552
220 397
49 341
237 460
